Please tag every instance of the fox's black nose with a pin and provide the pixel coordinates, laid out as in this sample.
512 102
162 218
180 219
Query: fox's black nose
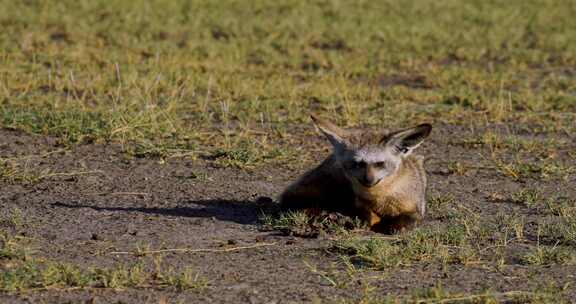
369 177
368 181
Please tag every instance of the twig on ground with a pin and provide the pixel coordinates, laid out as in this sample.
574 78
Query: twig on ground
193 250
498 296
365 238
69 173
121 193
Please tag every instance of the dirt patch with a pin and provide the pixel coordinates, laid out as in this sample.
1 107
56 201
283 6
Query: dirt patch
94 201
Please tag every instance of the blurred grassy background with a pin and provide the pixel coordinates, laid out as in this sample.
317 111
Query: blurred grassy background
238 78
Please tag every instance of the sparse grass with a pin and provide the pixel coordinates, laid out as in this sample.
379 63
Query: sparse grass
560 228
555 205
435 244
438 294
547 255
528 197
12 173
286 220
12 218
457 168
442 206
563 231
519 170
453 245
37 275
195 77
331 276
234 83
465 239
515 144
18 170
21 270
188 279
300 223
13 247
248 155
517 157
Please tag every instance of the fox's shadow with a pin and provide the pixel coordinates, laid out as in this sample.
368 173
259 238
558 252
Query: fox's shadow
241 212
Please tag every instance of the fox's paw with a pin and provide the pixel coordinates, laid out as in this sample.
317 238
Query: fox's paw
394 225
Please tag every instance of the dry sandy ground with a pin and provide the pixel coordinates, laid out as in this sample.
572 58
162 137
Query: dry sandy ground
121 204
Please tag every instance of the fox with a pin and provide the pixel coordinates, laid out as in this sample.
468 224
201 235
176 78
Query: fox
373 175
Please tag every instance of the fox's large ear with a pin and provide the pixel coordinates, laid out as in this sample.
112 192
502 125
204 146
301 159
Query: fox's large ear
335 135
405 141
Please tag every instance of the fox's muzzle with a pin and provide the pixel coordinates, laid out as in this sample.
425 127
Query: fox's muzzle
369 182
369 179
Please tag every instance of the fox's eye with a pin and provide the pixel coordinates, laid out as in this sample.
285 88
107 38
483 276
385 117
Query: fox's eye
380 164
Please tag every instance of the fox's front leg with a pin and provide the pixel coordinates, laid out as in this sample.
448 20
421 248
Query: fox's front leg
371 218
366 214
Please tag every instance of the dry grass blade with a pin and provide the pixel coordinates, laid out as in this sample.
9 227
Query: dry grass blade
510 295
190 250
56 174
121 193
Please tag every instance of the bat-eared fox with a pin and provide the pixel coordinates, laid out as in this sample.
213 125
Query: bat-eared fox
372 175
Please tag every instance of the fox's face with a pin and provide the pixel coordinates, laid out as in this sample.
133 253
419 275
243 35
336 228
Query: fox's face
368 165
368 158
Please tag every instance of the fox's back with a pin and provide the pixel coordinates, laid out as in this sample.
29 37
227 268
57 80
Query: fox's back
324 187
415 185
